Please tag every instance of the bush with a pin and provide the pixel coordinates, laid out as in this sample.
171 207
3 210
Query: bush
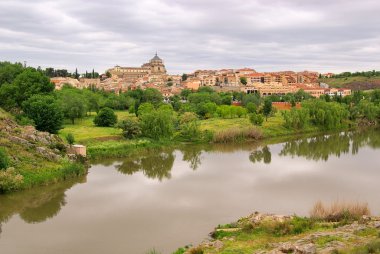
10 180
196 250
130 127
339 211
296 118
105 118
256 119
236 135
4 160
70 138
189 127
158 124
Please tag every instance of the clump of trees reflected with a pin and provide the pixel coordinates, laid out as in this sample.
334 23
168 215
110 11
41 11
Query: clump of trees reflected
155 164
38 204
322 147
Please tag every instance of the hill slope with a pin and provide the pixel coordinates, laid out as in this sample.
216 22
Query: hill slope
39 157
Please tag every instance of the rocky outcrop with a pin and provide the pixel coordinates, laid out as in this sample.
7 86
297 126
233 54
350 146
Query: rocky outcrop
323 237
47 145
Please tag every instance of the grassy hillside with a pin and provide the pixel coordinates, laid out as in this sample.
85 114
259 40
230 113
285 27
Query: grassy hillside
354 83
37 158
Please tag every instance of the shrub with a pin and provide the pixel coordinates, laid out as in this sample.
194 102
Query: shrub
251 107
196 250
158 124
236 135
339 211
130 127
296 118
4 160
189 127
10 180
105 118
70 138
256 119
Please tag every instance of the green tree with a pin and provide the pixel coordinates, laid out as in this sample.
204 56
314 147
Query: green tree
153 96
105 118
189 126
267 109
28 83
157 124
70 138
184 77
130 128
243 80
45 111
72 103
146 107
251 107
256 119
185 93
9 71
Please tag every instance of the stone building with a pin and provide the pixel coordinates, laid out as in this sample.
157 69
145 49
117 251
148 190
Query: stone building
155 71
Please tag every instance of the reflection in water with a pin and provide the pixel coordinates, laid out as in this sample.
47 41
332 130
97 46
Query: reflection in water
261 155
38 204
155 165
128 214
322 147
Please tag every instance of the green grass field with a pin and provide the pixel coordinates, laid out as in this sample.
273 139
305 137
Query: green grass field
84 130
342 82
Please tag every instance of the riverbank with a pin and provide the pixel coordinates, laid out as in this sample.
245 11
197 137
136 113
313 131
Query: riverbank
33 158
104 142
266 233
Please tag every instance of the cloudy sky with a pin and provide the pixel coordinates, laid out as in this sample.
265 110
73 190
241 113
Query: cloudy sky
268 35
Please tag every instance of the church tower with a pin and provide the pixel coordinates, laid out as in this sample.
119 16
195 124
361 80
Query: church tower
157 66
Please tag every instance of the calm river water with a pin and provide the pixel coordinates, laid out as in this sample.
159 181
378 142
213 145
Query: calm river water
165 199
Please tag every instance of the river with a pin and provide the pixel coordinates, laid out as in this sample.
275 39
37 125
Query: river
168 198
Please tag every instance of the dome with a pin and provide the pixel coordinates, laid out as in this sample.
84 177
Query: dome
156 58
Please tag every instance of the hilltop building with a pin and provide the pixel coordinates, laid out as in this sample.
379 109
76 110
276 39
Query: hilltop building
152 72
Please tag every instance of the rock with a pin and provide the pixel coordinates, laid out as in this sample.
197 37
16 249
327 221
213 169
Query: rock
20 141
306 249
218 245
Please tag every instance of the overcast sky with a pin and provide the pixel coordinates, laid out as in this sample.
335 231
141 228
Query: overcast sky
267 35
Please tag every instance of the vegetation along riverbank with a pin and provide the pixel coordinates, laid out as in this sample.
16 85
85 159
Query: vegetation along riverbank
340 228
115 124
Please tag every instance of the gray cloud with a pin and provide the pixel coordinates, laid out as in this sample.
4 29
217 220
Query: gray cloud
267 35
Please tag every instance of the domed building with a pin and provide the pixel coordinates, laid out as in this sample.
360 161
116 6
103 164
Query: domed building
153 72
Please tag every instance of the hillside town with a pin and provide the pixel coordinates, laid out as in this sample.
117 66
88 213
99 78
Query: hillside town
154 75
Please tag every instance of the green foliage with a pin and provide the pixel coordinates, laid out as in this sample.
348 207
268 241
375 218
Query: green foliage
254 98
256 119
184 77
45 112
131 128
296 118
185 93
70 138
9 71
251 107
206 109
153 96
368 110
146 107
105 118
4 160
10 180
28 83
189 127
327 115
73 103
157 124
243 80
267 109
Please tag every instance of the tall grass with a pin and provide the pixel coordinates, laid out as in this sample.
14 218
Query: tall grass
339 211
237 135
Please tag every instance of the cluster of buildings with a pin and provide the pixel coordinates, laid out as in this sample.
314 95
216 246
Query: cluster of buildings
154 75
